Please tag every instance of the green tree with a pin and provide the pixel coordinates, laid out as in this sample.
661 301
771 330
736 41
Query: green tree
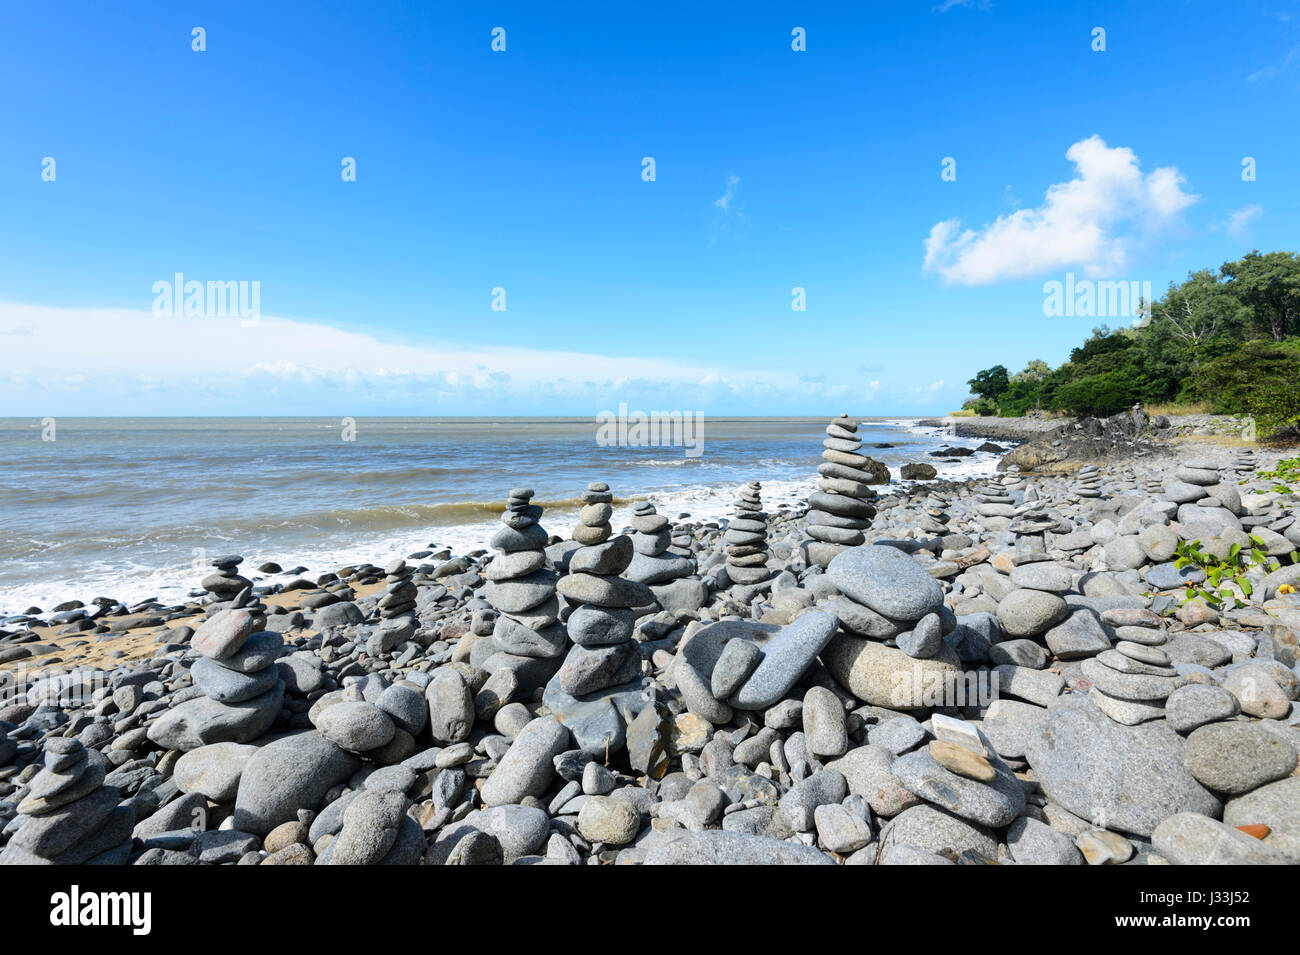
990 382
1200 309
1035 371
1269 285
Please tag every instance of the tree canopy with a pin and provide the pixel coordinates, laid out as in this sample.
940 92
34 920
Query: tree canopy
1228 337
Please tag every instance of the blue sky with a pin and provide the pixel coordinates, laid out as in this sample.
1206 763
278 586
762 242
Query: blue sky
522 170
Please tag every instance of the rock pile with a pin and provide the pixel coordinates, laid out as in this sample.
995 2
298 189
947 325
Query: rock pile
598 687
746 539
650 542
225 581
1244 463
1040 690
841 506
399 591
522 590
1087 481
934 516
1131 682
238 689
885 595
70 816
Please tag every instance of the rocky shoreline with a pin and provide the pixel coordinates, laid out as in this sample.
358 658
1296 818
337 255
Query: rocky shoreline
1005 670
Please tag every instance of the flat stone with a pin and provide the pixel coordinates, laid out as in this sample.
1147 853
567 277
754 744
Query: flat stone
1128 686
962 761
222 634
56 831
719 847
1276 805
1236 757
887 581
201 721
604 591
1188 838
231 686
358 727
785 657
213 770
1196 705
995 804
1043 575
1123 777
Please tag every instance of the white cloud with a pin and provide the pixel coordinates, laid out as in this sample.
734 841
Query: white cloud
1268 72
723 202
1091 222
104 361
1240 219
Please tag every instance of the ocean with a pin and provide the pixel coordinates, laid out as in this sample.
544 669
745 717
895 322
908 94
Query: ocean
134 508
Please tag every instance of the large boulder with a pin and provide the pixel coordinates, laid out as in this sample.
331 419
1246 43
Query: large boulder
291 773
1128 778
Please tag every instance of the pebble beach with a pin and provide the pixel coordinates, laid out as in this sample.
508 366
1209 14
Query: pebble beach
882 666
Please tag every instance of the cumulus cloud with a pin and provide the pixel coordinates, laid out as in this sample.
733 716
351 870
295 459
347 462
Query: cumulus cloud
1093 222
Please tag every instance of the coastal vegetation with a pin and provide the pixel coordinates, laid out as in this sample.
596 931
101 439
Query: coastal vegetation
1226 341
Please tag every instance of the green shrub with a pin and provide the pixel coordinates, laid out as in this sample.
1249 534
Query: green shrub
1097 395
1258 378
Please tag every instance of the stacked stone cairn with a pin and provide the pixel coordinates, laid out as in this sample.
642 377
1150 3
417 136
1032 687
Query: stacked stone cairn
1131 682
683 540
1243 462
598 689
994 504
242 688
886 594
1030 523
934 515
396 610
841 507
225 581
1087 481
652 564
71 816
1011 479
746 539
399 591
962 774
521 589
